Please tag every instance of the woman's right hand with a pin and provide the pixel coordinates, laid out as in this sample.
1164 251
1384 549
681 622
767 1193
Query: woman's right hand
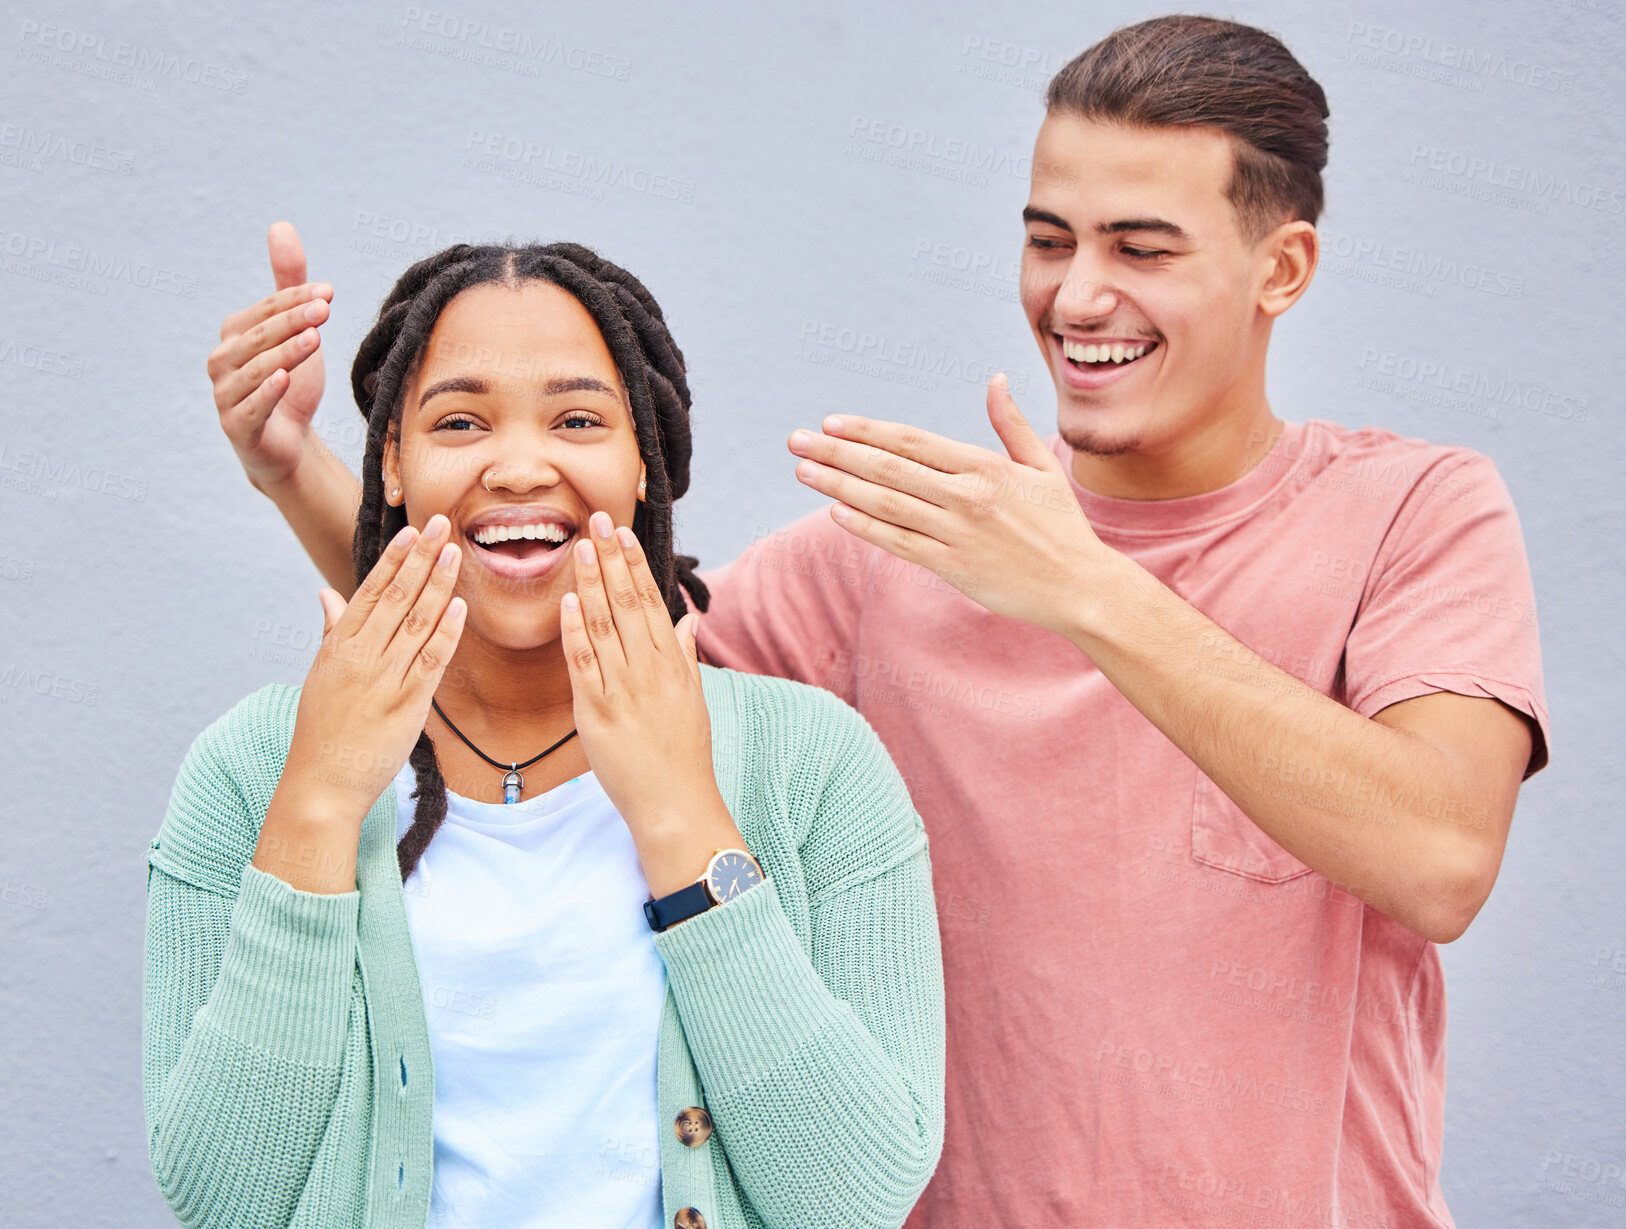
267 371
363 706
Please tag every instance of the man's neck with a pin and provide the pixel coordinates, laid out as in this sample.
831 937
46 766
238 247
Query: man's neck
1214 455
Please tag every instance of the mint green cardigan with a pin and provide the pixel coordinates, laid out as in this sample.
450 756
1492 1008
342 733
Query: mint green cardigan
286 1062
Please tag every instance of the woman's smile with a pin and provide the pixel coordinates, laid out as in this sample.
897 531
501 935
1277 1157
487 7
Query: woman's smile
520 541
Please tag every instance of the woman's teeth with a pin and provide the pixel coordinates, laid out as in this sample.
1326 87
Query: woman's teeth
1115 352
489 535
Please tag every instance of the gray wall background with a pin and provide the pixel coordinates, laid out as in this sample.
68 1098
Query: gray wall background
144 588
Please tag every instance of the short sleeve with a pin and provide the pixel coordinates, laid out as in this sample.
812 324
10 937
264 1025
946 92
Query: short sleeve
789 605
1449 604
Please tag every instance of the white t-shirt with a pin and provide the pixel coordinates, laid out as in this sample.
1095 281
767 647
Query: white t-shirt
543 993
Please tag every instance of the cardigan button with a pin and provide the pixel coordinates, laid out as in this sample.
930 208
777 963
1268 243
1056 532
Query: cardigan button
693 1127
689 1218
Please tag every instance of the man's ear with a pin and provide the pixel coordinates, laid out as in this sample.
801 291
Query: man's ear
1292 250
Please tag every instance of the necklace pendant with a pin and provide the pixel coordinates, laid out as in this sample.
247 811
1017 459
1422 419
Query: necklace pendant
512 783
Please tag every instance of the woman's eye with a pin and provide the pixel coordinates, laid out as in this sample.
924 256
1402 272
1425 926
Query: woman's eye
455 423
583 420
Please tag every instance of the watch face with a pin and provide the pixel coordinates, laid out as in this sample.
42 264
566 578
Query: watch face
730 873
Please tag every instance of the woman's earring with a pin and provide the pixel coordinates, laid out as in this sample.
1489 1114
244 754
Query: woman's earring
395 495
640 487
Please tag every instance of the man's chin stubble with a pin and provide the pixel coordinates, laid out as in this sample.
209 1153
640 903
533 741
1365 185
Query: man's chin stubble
1099 445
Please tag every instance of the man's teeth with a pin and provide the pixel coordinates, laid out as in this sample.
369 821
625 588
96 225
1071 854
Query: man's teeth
1117 352
546 532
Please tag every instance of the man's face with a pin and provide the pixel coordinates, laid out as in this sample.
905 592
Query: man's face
1132 247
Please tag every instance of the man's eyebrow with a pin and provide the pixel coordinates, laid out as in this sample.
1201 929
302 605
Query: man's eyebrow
1123 226
1157 225
553 388
1030 214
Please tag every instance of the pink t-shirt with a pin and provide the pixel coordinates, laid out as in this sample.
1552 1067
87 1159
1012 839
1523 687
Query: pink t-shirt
1156 1016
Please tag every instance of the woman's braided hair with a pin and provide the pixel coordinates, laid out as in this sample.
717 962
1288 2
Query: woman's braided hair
651 367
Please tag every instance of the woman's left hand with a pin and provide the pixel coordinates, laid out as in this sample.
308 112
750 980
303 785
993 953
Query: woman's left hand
640 711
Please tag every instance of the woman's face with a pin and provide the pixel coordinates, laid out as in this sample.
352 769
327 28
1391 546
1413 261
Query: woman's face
516 427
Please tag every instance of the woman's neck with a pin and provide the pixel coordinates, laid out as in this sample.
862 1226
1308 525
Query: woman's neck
511 705
506 692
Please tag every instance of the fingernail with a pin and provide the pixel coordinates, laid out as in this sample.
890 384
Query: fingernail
999 379
832 426
800 440
436 528
447 554
572 602
806 469
406 535
584 551
313 312
626 537
601 524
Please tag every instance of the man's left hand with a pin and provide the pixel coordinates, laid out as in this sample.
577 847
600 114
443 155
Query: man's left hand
1006 531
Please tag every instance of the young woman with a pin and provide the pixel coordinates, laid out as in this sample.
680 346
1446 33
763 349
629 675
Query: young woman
514 914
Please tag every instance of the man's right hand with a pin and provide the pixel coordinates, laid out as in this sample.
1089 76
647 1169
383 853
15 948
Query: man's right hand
267 371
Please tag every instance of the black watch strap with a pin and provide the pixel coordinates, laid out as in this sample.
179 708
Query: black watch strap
671 909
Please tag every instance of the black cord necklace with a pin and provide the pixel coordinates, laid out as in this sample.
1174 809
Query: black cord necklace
512 782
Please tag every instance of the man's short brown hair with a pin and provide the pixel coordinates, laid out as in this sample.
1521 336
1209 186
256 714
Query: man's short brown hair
1181 70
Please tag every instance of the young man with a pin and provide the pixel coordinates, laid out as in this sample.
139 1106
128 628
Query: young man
1217 721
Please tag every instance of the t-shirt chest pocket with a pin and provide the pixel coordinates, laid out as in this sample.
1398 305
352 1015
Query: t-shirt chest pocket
1223 837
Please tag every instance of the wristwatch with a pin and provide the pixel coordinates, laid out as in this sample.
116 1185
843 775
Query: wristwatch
730 872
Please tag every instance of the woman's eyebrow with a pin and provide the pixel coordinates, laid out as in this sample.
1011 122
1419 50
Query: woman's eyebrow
457 384
578 384
553 388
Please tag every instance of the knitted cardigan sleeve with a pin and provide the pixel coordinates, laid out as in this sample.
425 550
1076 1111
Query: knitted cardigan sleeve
247 1002
819 1040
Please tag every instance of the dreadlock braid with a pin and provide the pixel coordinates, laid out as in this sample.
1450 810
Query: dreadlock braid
651 367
